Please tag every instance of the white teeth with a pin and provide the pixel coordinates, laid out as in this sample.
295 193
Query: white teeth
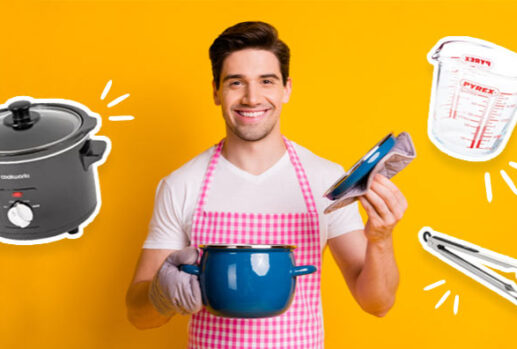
251 114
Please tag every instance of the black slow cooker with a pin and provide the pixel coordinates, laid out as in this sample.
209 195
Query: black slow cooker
48 178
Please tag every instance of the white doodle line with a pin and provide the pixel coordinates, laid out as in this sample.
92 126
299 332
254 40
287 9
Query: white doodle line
121 118
106 90
456 303
436 284
117 100
508 181
488 186
444 297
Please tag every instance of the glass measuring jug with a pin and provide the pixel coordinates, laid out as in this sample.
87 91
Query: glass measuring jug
473 98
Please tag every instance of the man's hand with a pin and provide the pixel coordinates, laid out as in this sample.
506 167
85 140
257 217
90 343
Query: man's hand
385 205
173 291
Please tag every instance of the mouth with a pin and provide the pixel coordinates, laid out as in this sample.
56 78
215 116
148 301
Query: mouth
251 113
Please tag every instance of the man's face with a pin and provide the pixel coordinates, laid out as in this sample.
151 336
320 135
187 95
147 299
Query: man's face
251 93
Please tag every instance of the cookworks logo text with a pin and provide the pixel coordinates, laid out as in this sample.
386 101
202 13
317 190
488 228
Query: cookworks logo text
16 176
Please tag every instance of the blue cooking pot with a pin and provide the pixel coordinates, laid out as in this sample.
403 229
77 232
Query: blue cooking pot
247 281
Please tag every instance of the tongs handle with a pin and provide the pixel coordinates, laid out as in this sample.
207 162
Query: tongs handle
444 246
507 287
492 257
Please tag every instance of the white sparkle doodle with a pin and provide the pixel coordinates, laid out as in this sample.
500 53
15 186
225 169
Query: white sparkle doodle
444 297
121 118
106 90
488 186
456 303
507 179
115 102
436 284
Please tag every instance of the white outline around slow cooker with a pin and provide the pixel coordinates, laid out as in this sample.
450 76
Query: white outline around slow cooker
96 211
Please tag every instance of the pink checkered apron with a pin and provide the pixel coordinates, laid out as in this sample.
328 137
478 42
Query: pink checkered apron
301 326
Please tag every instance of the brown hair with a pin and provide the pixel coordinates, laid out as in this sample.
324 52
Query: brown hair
244 35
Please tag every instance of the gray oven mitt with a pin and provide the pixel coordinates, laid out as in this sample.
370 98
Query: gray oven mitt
402 153
173 291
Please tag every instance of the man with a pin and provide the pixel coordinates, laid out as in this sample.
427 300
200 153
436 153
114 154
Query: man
256 170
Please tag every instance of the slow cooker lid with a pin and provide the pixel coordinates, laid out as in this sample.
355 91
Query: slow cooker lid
26 127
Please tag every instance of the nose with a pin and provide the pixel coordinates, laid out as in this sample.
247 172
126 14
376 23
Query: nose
251 95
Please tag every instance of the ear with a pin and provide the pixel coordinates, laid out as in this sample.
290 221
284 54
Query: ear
217 101
287 90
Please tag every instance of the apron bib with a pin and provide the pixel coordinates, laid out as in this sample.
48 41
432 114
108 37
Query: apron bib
301 326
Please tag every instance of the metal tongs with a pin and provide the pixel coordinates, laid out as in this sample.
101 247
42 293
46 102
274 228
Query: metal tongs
470 259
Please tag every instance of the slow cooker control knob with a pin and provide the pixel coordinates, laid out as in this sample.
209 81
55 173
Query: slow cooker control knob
20 214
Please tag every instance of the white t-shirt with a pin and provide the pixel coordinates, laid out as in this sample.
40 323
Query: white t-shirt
274 191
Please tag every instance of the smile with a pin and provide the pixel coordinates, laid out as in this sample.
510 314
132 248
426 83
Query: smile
252 114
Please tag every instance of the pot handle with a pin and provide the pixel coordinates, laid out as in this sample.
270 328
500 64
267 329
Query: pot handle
303 270
91 152
190 269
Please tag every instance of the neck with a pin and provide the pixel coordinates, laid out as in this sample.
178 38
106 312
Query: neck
254 157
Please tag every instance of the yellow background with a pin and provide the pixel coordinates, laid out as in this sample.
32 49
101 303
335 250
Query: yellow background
359 70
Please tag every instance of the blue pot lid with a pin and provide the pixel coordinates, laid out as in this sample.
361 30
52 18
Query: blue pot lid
361 169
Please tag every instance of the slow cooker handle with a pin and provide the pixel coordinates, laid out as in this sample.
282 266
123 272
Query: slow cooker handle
92 152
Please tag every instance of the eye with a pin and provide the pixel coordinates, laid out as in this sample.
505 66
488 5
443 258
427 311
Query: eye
235 83
267 82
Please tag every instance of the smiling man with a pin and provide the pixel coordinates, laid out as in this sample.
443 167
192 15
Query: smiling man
258 178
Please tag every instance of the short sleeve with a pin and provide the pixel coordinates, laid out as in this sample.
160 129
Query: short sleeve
344 220
165 227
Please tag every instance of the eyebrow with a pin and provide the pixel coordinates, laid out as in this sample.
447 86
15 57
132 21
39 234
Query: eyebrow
240 76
